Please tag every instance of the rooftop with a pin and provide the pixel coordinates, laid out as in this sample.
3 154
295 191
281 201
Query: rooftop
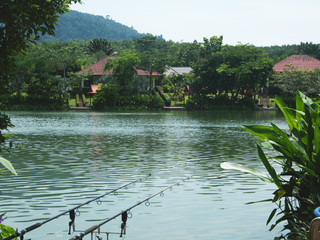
304 62
177 70
98 69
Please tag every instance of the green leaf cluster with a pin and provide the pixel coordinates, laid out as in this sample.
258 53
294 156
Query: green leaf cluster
297 155
6 231
23 22
123 68
111 97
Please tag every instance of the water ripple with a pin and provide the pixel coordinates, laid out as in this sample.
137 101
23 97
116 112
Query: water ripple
70 157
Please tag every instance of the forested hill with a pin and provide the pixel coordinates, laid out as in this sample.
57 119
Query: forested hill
83 26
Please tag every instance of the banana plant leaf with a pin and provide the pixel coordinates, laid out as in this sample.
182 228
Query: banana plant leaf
8 165
245 169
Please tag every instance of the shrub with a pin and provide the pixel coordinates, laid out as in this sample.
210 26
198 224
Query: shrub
247 102
111 96
199 101
297 151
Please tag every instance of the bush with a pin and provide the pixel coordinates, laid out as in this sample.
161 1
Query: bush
247 102
199 101
297 152
167 99
111 96
107 96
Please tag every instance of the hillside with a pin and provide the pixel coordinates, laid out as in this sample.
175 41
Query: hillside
83 26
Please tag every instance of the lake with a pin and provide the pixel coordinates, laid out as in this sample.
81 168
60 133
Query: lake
69 158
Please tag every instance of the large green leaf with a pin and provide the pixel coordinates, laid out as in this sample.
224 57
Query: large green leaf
271 215
245 169
291 121
262 132
269 168
8 165
317 140
299 106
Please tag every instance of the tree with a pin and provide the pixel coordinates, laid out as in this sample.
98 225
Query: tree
101 47
294 78
225 69
60 61
23 22
23 71
309 49
205 69
123 68
184 54
243 67
152 54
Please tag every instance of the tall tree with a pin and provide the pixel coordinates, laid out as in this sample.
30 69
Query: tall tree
243 67
295 79
123 68
309 48
205 69
152 54
184 54
99 45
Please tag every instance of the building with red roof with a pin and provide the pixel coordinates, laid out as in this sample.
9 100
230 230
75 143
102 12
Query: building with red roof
303 62
96 72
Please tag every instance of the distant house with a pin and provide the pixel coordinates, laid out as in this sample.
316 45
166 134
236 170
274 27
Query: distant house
177 70
303 62
98 73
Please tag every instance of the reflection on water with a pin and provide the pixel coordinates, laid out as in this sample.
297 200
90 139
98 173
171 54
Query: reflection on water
71 157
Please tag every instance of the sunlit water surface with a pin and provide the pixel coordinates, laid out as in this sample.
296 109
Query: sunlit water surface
71 157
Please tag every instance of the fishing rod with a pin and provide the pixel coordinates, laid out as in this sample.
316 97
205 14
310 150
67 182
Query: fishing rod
124 214
71 211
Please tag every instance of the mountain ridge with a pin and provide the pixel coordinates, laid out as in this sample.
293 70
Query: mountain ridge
75 25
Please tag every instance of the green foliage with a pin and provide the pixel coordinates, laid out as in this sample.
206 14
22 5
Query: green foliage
6 231
7 165
280 52
151 52
167 99
199 101
291 80
99 44
205 69
310 49
106 96
175 84
205 102
22 22
44 74
5 123
123 68
110 96
297 152
246 102
184 54
83 26
230 69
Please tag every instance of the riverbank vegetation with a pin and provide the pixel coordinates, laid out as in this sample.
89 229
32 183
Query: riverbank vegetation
44 75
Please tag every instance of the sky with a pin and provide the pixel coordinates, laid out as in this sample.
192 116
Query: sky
257 22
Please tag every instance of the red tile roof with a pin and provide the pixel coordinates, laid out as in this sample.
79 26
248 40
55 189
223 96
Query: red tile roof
97 69
303 62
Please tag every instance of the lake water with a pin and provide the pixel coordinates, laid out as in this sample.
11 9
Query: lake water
71 157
